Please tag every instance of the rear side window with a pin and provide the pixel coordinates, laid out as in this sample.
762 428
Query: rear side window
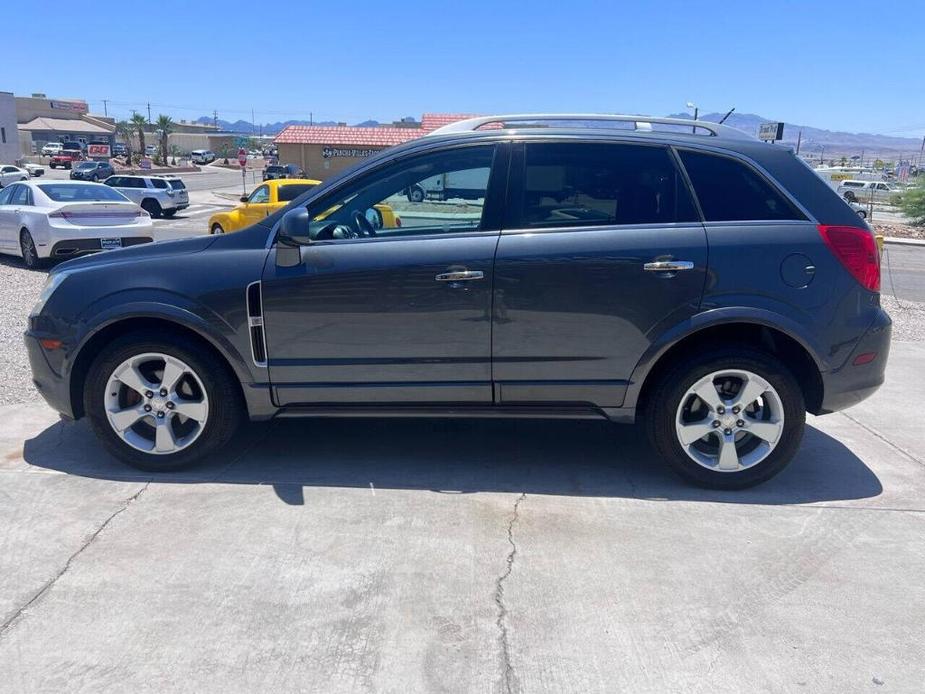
585 184
291 192
159 183
177 184
728 190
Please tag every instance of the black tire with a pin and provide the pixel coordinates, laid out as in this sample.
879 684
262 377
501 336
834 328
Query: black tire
851 197
416 194
216 229
664 399
167 214
152 207
226 408
30 256
51 166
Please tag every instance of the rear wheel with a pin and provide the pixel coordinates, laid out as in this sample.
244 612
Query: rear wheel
727 419
161 404
30 256
216 229
851 197
168 213
152 207
416 194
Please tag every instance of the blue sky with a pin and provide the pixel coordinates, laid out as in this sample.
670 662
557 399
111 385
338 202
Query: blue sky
844 65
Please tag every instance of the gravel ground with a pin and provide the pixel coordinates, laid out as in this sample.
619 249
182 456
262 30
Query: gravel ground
22 289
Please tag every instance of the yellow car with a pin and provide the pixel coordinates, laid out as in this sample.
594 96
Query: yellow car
263 201
273 195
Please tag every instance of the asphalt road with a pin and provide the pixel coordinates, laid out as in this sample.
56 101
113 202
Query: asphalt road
903 272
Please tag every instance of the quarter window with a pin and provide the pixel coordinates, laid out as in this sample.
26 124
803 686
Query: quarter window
585 184
728 190
20 196
5 195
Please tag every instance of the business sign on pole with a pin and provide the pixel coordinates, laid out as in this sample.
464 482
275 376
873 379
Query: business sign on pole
75 106
98 150
771 132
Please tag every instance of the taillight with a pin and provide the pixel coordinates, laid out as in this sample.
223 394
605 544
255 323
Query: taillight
856 249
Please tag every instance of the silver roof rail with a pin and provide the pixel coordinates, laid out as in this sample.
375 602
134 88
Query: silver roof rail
641 123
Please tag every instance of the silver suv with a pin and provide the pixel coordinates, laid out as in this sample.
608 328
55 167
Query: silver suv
159 196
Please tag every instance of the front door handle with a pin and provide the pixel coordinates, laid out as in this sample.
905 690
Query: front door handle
460 276
668 266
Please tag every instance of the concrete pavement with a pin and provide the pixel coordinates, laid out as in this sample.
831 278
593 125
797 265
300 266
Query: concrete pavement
464 556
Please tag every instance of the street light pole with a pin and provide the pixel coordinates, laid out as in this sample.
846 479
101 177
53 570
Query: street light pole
692 105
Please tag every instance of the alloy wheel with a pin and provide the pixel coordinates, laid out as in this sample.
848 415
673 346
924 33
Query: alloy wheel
729 420
156 403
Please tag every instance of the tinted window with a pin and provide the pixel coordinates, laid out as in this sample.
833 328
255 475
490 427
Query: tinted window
20 196
291 192
729 190
5 195
177 184
601 184
159 183
72 192
114 181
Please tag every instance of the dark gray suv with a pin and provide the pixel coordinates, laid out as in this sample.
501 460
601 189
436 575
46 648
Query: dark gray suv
675 273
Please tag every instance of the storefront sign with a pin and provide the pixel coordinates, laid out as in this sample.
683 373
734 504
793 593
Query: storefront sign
329 152
98 150
771 132
76 106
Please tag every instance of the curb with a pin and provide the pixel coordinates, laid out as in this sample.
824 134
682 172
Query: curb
903 242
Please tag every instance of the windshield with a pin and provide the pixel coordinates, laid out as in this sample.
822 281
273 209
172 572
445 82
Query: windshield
276 169
73 192
87 165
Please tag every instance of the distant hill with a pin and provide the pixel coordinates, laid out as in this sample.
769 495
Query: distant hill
814 139
247 128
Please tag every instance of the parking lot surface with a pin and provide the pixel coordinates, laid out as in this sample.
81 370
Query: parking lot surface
462 556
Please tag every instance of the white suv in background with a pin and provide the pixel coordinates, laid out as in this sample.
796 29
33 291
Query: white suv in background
202 156
865 191
159 196
50 149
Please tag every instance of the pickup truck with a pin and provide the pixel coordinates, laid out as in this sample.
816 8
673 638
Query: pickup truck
469 185
66 158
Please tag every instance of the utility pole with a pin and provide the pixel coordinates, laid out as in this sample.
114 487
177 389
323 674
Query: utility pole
106 107
799 140
922 151
215 119
253 123
311 120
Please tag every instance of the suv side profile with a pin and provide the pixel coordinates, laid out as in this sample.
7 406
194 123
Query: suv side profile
687 277
866 191
159 196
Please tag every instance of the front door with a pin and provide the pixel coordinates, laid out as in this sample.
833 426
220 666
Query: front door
257 206
7 218
601 248
373 312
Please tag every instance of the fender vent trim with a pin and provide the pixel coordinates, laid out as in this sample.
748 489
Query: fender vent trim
258 340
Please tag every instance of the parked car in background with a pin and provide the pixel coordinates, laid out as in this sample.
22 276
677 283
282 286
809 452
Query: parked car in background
70 154
859 208
704 282
92 171
150 150
119 149
274 171
263 201
202 156
865 191
159 196
9 174
63 219
464 185
35 170
51 148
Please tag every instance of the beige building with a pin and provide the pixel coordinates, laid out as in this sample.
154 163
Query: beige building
322 151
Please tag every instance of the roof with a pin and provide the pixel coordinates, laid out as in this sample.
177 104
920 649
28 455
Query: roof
354 137
69 125
432 121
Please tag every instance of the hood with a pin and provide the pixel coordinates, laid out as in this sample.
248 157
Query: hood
139 253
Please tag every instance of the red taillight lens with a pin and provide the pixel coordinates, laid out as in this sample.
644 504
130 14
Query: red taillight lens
856 249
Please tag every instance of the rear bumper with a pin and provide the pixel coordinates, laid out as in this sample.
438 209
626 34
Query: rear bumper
853 383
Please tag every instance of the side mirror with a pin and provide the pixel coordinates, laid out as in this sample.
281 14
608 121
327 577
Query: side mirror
294 228
243 198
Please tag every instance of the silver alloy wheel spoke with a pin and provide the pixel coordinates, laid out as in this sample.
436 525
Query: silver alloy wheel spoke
723 432
156 418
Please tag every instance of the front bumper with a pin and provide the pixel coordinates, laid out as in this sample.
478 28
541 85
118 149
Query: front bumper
853 383
47 375
71 248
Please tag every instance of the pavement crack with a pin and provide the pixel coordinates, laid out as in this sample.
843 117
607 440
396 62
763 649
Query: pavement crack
508 678
11 621
883 438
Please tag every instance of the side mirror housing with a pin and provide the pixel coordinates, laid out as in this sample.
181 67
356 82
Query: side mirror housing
243 198
294 228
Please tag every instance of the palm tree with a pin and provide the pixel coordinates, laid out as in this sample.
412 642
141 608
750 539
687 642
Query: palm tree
139 122
126 131
165 126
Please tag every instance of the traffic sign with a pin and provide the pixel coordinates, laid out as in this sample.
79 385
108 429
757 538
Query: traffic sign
242 157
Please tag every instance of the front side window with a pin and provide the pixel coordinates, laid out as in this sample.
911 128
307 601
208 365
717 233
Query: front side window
436 193
260 195
729 190
588 184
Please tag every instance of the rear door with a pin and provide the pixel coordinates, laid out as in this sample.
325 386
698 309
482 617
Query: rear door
7 218
602 249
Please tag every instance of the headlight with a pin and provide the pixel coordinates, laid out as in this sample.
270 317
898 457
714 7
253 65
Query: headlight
54 281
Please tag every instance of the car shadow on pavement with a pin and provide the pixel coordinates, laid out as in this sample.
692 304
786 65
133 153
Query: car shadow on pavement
575 458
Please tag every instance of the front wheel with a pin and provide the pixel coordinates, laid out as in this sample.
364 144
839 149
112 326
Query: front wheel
161 404
727 419
216 229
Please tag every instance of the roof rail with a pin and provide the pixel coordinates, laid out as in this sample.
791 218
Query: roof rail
642 123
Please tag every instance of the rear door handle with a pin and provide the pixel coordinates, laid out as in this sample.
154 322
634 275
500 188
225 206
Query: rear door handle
668 266
460 276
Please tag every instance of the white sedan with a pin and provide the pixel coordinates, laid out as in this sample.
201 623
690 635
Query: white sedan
64 219
10 174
